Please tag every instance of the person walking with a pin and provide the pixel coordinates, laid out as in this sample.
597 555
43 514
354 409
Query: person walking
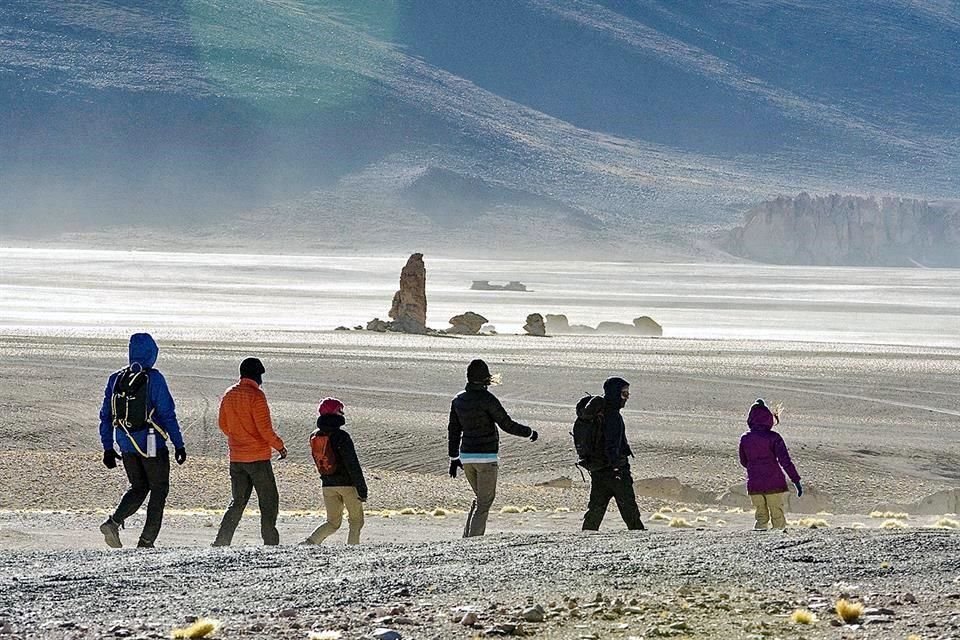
339 467
611 478
245 420
763 453
473 442
138 415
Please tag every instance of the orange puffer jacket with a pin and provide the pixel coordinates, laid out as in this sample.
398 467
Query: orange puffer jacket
245 419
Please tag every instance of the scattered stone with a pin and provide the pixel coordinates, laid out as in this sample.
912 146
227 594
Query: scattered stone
386 634
288 613
377 325
469 619
342 328
535 325
908 598
533 614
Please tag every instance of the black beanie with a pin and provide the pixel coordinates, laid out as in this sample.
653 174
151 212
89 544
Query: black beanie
478 372
253 369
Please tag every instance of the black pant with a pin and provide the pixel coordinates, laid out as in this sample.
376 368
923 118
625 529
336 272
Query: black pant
146 475
244 478
606 484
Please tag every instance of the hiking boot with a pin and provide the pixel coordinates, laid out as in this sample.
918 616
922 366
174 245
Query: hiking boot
141 544
111 533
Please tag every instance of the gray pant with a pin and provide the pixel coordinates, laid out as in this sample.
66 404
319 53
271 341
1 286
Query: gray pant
483 481
244 478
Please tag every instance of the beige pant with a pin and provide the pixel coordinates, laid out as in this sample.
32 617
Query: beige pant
769 509
335 499
483 481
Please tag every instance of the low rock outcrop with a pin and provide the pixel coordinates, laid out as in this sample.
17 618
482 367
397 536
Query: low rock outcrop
535 325
849 230
466 324
647 326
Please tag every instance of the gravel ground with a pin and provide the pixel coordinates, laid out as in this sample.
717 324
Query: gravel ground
704 584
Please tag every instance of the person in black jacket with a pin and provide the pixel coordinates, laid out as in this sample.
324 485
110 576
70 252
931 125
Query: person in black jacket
474 442
343 483
613 479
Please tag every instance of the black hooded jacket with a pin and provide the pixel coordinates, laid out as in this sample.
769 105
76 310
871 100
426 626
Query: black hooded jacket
475 414
615 446
349 473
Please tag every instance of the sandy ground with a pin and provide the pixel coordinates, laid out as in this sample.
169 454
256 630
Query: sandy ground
865 425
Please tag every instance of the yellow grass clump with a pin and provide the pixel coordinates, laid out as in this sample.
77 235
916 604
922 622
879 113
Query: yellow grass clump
849 612
510 509
893 524
679 523
199 629
684 510
946 523
562 510
660 516
439 512
666 509
529 509
701 520
803 616
856 525
325 635
813 523
824 513
709 510
408 511
914 636
720 523
735 510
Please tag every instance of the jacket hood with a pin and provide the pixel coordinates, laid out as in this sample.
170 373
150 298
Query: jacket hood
330 422
613 387
143 350
760 418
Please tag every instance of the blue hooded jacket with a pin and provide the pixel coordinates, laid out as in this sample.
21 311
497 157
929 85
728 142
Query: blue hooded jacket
143 351
615 445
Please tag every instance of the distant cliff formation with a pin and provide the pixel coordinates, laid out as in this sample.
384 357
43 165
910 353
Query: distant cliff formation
849 230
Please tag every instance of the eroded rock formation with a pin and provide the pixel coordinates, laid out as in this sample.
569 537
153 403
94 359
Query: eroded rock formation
849 230
409 308
466 324
535 325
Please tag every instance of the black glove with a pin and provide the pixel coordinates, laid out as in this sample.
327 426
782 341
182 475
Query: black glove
110 458
180 455
799 489
363 497
533 436
454 465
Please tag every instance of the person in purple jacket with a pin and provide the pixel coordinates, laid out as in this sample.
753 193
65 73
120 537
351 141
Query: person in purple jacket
763 453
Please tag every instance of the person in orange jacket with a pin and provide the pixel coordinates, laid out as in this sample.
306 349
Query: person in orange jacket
245 420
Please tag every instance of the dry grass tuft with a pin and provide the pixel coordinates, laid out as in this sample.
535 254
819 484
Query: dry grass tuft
408 511
325 635
529 509
660 516
735 510
562 510
666 509
849 612
510 509
876 514
701 520
824 513
857 525
914 636
946 523
679 523
803 616
199 629
720 523
893 524
439 512
813 523
684 510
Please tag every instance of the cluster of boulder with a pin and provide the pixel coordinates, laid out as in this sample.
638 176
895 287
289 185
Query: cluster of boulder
408 314
558 324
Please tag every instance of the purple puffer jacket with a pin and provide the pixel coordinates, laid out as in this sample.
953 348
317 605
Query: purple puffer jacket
763 452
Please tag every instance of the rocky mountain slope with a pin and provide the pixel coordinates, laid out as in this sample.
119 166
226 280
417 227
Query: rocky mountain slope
850 230
650 120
